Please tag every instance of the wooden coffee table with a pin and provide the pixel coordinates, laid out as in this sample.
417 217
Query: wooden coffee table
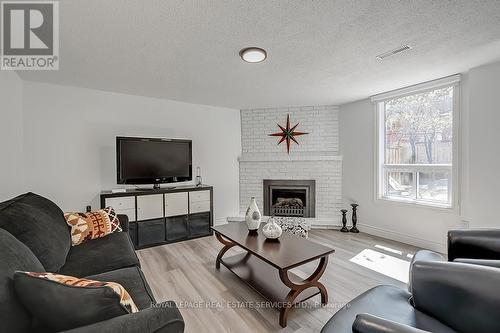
265 265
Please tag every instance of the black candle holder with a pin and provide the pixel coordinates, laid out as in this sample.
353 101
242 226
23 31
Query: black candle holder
354 219
344 221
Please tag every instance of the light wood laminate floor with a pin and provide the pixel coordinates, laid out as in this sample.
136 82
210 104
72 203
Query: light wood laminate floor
217 301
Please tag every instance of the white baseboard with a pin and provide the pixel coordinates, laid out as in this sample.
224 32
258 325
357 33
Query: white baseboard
220 221
325 226
396 236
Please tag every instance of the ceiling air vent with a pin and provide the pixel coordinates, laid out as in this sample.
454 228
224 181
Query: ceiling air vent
390 53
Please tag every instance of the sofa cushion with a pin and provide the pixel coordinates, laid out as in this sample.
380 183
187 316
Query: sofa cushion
92 225
133 281
64 302
14 256
100 255
387 302
38 223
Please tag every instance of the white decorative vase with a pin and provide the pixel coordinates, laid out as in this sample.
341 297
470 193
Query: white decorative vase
252 216
272 230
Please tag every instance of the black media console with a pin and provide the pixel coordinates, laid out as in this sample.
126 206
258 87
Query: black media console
164 215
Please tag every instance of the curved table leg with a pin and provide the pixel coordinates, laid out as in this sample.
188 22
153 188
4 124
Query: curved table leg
227 246
296 289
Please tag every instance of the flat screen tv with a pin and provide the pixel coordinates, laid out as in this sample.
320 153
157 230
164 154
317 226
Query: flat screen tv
153 161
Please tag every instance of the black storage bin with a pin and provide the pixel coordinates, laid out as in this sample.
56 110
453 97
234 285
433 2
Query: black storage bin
199 224
176 228
151 232
132 232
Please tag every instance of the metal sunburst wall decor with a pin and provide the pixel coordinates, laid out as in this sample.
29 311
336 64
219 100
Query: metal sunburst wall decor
288 134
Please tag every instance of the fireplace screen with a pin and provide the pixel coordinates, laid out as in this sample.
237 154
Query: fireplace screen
289 198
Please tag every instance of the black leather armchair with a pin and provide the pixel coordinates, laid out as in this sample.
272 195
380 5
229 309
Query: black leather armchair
468 246
446 297
367 323
483 244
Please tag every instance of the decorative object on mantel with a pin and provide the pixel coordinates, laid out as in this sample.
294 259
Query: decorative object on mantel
271 229
354 218
253 216
288 134
198 181
344 221
295 225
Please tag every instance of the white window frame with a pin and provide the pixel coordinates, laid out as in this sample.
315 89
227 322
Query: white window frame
454 168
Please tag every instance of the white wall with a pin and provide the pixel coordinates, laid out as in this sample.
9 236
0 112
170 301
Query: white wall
484 147
70 135
422 226
11 135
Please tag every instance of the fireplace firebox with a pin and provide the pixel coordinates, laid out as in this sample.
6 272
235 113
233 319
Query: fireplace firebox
289 197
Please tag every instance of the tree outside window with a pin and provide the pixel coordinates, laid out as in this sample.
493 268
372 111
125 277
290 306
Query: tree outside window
418 146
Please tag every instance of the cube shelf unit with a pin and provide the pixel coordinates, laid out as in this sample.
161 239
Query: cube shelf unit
164 215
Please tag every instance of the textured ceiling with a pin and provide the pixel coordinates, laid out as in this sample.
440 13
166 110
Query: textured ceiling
319 51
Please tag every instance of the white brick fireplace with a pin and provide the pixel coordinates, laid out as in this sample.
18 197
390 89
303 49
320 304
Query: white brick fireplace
315 158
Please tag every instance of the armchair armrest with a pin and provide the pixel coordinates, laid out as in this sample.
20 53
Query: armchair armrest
163 318
367 323
423 255
474 244
482 262
123 222
462 296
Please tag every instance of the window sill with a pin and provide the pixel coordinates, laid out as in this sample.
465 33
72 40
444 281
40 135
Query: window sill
445 208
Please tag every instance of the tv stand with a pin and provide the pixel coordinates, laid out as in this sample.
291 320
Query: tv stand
164 215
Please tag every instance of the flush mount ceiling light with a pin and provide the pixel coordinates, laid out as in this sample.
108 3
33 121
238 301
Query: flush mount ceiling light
390 53
253 54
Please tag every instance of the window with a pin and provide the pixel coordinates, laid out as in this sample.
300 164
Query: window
417 143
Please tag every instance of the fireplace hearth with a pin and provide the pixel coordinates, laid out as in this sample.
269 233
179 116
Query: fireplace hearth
289 197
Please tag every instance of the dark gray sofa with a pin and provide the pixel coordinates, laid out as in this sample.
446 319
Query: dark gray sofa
34 237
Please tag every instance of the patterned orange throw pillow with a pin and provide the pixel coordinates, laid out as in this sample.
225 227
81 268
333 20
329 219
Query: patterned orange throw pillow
92 225
124 298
